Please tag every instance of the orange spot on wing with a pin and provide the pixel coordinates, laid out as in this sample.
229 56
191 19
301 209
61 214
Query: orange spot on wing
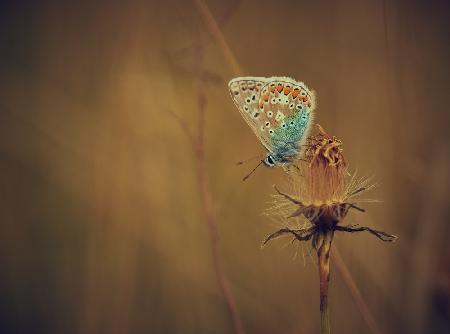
295 93
287 90
272 88
266 97
279 88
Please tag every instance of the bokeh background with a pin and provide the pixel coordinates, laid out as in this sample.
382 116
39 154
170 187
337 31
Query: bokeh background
106 202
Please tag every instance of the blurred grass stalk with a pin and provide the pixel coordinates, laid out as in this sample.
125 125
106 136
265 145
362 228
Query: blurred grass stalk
217 34
210 216
197 142
323 197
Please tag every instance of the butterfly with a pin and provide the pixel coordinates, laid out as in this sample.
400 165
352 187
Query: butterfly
280 112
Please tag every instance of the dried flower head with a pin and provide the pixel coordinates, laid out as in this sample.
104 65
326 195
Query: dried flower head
323 192
327 166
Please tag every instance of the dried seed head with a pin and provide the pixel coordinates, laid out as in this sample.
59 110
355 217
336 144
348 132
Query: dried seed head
325 177
321 195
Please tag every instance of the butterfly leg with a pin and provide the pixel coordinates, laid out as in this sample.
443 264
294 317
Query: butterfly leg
292 168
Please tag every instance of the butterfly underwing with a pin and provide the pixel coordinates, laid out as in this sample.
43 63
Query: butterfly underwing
280 112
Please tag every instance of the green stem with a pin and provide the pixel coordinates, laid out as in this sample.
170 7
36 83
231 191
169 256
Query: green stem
323 253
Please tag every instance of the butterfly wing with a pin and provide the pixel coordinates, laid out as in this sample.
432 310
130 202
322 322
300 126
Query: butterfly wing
287 109
279 110
246 92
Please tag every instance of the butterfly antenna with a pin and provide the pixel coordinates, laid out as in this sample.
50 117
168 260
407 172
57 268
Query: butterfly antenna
248 175
247 160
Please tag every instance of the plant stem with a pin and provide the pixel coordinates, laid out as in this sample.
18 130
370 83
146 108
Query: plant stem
323 253
207 202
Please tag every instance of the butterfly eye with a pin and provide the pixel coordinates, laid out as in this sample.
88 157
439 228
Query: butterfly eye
274 100
255 115
270 114
284 125
254 97
246 108
291 106
299 107
292 123
267 124
271 131
247 100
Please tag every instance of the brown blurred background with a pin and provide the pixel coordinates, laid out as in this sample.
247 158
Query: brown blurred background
102 223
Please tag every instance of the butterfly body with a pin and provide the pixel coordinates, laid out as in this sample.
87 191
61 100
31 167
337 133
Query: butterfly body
279 110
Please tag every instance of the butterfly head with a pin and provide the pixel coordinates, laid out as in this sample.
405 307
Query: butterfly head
270 160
